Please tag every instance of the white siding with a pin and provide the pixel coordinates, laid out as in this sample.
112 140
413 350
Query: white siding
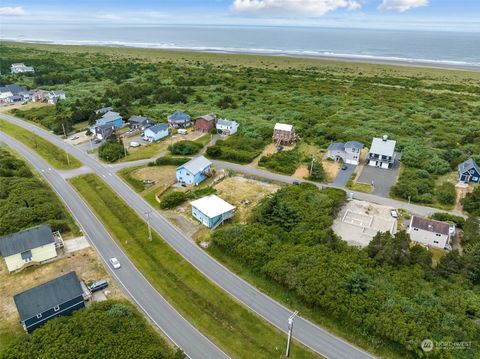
39 255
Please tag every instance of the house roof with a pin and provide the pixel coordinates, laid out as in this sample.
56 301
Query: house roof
224 122
3 89
25 240
159 128
336 146
138 119
431 225
468 165
57 93
47 295
15 89
104 110
207 118
354 144
110 116
283 127
18 64
196 165
178 117
383 147
212 205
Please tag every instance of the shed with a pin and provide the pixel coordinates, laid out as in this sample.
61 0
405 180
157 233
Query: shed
212 211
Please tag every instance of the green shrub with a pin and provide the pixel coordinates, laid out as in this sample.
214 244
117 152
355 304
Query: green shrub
446 193
170 161
447 217
111 150
172 199
237 148
471 202
285 162
185 148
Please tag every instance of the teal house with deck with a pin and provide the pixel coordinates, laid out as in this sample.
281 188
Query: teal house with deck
212 211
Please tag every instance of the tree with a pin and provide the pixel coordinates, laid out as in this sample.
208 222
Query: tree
357 282
317 172
112 149
446 193
172 200
471 202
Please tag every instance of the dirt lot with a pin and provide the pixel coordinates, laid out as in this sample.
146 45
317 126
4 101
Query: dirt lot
237 190
301 172
331 169
29 105
85 263
359 221
162 175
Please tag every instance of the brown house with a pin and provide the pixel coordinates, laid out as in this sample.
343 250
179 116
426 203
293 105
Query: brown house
283 134
205 123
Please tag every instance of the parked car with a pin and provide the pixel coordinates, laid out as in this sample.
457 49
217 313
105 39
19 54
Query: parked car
74 138
296 182
134 144
115 263
344 167
99 285
97 140
394 213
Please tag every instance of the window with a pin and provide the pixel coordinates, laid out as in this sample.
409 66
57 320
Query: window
39 315
415 229
438 234
436 242
56 308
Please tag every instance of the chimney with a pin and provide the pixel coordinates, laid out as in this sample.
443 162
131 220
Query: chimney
385 138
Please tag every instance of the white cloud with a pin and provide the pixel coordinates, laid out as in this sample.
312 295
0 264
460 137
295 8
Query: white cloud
311 8
12 11
401 5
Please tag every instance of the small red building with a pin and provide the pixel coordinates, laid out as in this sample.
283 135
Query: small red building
205 123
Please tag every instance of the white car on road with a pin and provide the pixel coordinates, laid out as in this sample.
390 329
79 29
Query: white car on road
115 263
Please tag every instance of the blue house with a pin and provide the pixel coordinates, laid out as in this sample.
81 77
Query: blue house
194 171
179 119
156 132
60 296
469 172
110 118
212 211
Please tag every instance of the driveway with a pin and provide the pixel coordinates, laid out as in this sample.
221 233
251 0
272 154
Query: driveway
343 176
381 179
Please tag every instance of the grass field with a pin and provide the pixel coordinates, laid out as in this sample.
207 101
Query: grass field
56 157
231 326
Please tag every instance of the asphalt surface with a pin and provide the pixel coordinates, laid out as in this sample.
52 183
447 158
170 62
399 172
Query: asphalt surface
344 175
309 334
382 179
178 329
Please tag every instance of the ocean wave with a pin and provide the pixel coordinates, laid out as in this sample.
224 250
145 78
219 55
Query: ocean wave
368 57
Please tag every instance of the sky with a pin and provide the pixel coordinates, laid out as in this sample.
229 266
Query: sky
460 15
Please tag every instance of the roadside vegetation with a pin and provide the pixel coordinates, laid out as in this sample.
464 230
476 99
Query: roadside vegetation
53 155
111 329
112 149
26 201
388 296
235 329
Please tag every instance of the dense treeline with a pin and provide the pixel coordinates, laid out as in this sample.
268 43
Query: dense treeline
25 201
110 329
389 293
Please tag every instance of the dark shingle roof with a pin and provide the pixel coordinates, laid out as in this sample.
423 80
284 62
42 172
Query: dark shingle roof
15 89
468 165
47 295
158 128
179 117
138 119
354 144
25 240
207 118
336 146
430 225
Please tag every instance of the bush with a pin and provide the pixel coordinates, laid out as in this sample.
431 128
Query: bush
185 148
446 193
285 162
471 202
111 150
170 161
172 200
237 148
447 217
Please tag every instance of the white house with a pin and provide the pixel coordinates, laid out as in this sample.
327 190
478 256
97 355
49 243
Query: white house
212 211
226 127
33 245
431 233
54 96
156 132
382 153
5 93
20 68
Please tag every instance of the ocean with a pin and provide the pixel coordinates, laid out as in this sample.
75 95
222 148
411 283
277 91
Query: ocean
431 48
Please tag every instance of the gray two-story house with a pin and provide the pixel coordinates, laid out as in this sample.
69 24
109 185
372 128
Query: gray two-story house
348 152
60 296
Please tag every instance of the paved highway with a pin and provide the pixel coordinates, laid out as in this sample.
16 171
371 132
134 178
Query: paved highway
178 329
309 334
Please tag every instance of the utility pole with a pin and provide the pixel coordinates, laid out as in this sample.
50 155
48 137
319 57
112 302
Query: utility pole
65 134
148 224
290 330
124 148
311 166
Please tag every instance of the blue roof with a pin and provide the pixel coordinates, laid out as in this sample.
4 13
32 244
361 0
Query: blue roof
158 128
179 117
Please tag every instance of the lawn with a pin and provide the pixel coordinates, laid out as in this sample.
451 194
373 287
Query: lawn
55 156
236 330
